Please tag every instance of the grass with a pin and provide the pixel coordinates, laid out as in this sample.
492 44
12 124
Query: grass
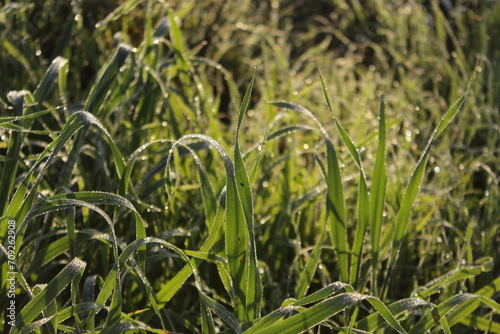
252 166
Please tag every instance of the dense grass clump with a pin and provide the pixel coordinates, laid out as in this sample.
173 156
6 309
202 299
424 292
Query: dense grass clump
250 166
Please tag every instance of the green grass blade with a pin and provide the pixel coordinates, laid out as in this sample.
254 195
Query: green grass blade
252 282
237 242
359 238
270 319
440 314
377 196
466 308
10 166
386 314
50 78
314 315
488 326
307 274
376 321
35 306
21 201
460 274
336 211
323 293
221 312
416 179
106 78
173 286
180 53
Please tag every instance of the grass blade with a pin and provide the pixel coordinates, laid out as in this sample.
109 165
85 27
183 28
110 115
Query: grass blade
377 196
312 316
335 205
252 282
442 310
417 176
51 291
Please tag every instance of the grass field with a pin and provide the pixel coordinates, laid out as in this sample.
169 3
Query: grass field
249 166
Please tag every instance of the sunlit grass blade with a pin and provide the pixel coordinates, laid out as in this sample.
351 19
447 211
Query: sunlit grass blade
417 176
49 78
459 274
323 293
180 53
35 306
312 316
466 308
486 325
376 321
270 319
440 314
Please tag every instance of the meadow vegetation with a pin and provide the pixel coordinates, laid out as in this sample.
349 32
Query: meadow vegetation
250 166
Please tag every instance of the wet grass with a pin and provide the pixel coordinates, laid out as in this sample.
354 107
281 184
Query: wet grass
258 167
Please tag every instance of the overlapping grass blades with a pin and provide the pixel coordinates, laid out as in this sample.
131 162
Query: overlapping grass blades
292 208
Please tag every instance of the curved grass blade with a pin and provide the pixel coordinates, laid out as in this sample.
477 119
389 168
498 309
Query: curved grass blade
376 321
49 78
466 308
323 293
173 286
106 78
462 273
440 314
35 306
270 319
312 316
222 313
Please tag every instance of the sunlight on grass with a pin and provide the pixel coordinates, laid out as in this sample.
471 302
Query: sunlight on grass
249 167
